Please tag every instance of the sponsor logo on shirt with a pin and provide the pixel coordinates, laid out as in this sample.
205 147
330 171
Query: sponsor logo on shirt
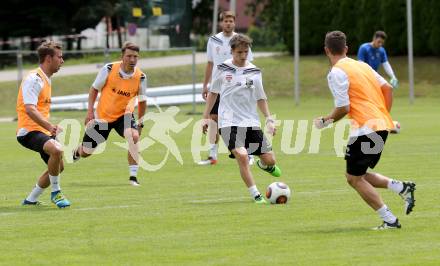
121 92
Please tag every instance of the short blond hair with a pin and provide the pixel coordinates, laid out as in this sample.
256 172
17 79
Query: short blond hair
47 48
227 14
129 46
239 40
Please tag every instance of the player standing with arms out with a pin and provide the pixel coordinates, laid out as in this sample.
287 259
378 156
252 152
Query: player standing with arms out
373 53
119 83
218 50
239 85
34 130
366 97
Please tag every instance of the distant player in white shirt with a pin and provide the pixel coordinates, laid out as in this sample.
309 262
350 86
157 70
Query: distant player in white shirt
239 85
218 50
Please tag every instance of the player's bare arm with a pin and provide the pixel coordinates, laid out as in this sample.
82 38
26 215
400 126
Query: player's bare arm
337 114
270 122
208 73
93 94
142 109
35 115
387 92
210 101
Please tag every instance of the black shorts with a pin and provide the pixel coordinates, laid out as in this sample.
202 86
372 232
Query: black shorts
35 141
99 131
214 110
251 138
364 152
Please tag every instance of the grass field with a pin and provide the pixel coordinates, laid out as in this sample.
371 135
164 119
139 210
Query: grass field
191 215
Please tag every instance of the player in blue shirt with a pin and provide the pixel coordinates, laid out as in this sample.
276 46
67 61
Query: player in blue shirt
375 55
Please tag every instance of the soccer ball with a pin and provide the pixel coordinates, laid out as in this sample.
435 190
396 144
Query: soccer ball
396 129
278 193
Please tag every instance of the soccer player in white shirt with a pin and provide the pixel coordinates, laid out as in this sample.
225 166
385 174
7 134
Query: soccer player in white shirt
240 86
218 50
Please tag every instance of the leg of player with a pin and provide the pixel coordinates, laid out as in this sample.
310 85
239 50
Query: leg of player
373 199
403 189
132 137
42 183
213 140
242 158
55 165
267 163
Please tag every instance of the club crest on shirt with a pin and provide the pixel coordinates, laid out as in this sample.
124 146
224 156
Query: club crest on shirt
217 49
228 78
249 82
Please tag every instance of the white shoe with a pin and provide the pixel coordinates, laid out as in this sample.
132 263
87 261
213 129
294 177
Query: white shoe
134 182
209 161
251 160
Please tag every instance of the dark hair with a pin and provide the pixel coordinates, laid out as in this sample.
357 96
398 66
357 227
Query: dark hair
336 41
47 48
129 46
240 39
380 34
227 14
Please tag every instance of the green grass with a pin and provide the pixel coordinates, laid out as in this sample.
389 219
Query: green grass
277 75
191 215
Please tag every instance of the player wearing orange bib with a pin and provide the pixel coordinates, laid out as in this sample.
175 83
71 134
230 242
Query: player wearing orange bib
34 130
365 96
120 84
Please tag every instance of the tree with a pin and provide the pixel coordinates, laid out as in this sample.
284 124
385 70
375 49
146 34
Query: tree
202 17
47 17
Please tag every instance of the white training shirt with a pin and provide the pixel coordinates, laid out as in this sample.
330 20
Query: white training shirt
218 50
338 83
240 88
30 89
102 76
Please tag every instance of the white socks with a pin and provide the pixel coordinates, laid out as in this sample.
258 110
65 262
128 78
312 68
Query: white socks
386 215
55 182
213 151
35 193
254 191
133 169
395 185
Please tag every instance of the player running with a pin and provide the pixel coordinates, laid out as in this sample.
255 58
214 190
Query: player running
365 96
218 50
239 85
34 130
119 83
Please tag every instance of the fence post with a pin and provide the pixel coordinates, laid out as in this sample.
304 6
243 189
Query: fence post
106 55
194 78
19 66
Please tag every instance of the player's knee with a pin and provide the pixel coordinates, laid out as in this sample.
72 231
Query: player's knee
242 157
56 152
135 137
351 180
